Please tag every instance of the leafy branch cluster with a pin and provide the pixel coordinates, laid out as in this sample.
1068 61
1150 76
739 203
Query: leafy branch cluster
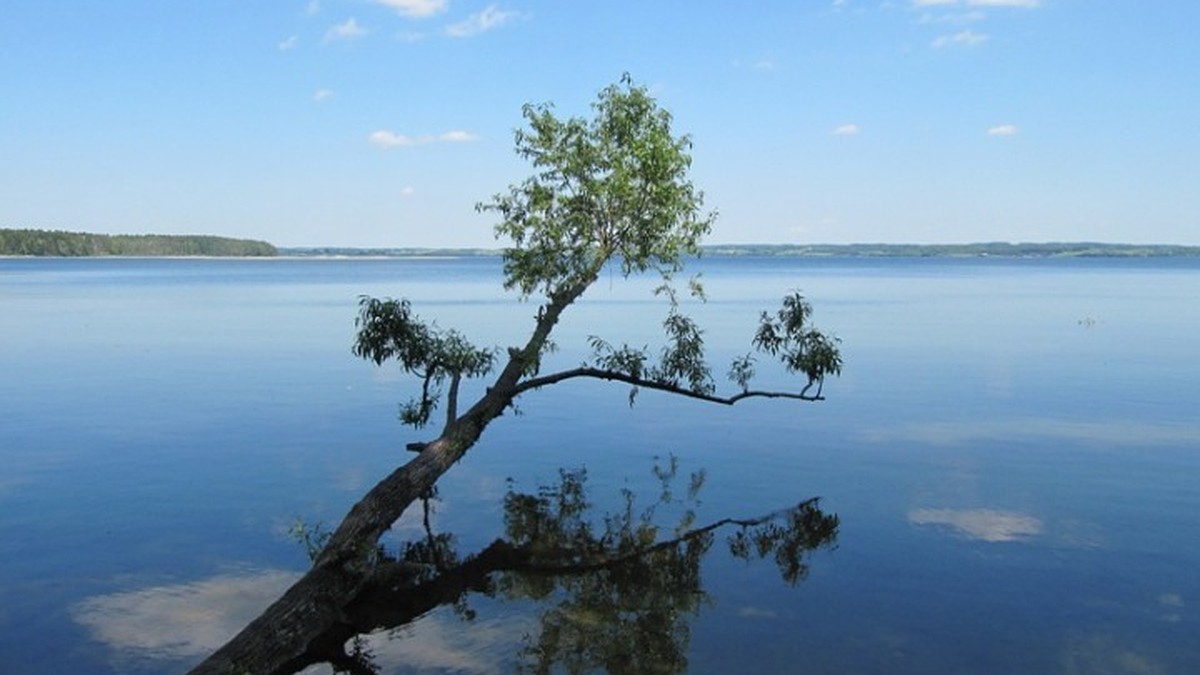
801 348
611 187
388 329
682 367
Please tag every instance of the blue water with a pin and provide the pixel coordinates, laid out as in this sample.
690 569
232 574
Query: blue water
1013 451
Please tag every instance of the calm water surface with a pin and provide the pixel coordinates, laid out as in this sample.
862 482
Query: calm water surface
1013 451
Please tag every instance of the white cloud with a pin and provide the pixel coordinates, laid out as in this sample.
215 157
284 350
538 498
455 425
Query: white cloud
415 9
407 191
967 38
933 3
846 130
313 7
390 139
322 94
1003 130
347 30
289 43
457 136
491 17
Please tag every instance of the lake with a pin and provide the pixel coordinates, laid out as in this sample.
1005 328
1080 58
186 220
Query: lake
1013 452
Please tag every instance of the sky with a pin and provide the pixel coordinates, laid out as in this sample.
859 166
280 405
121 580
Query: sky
382 123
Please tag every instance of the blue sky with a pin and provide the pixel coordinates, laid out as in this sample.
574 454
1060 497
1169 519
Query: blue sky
383 122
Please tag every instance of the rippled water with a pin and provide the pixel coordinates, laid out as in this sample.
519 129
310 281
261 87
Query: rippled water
1013 451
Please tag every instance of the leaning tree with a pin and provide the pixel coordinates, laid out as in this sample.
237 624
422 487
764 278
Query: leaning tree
609 192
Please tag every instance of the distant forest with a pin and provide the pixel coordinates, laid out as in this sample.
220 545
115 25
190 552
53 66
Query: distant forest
77 244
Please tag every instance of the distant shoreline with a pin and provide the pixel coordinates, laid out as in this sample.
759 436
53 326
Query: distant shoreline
58 244
978 250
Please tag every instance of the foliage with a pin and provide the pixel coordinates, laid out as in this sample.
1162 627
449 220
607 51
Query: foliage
75 244
613 188
312 537
614 185
801 348
388 329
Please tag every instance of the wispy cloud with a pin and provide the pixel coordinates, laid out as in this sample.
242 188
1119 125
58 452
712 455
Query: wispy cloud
289 43
390 139
458 136
322 95
313 7
415 9
966 38
1003 130
491 17
347 30
846 130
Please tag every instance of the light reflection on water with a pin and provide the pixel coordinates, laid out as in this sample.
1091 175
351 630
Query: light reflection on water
1013 451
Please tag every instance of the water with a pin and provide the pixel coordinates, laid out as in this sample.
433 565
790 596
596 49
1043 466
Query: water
1013 451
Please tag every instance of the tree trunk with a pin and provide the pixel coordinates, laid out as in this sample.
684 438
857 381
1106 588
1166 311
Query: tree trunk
285 631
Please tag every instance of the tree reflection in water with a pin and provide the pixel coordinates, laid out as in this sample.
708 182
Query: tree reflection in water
618 592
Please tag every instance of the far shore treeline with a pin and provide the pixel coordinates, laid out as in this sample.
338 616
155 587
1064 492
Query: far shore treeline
52 243
79 244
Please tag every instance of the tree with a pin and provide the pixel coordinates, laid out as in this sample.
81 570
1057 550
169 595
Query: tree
610 190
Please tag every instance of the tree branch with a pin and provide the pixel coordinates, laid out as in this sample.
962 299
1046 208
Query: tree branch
670 388
452 400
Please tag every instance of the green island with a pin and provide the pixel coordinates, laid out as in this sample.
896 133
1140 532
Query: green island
54 243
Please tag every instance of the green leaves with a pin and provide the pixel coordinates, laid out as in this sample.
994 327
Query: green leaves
800 348
683 356
611 186
388 329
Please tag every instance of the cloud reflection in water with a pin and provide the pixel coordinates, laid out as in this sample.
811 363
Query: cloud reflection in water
982 524
183 621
